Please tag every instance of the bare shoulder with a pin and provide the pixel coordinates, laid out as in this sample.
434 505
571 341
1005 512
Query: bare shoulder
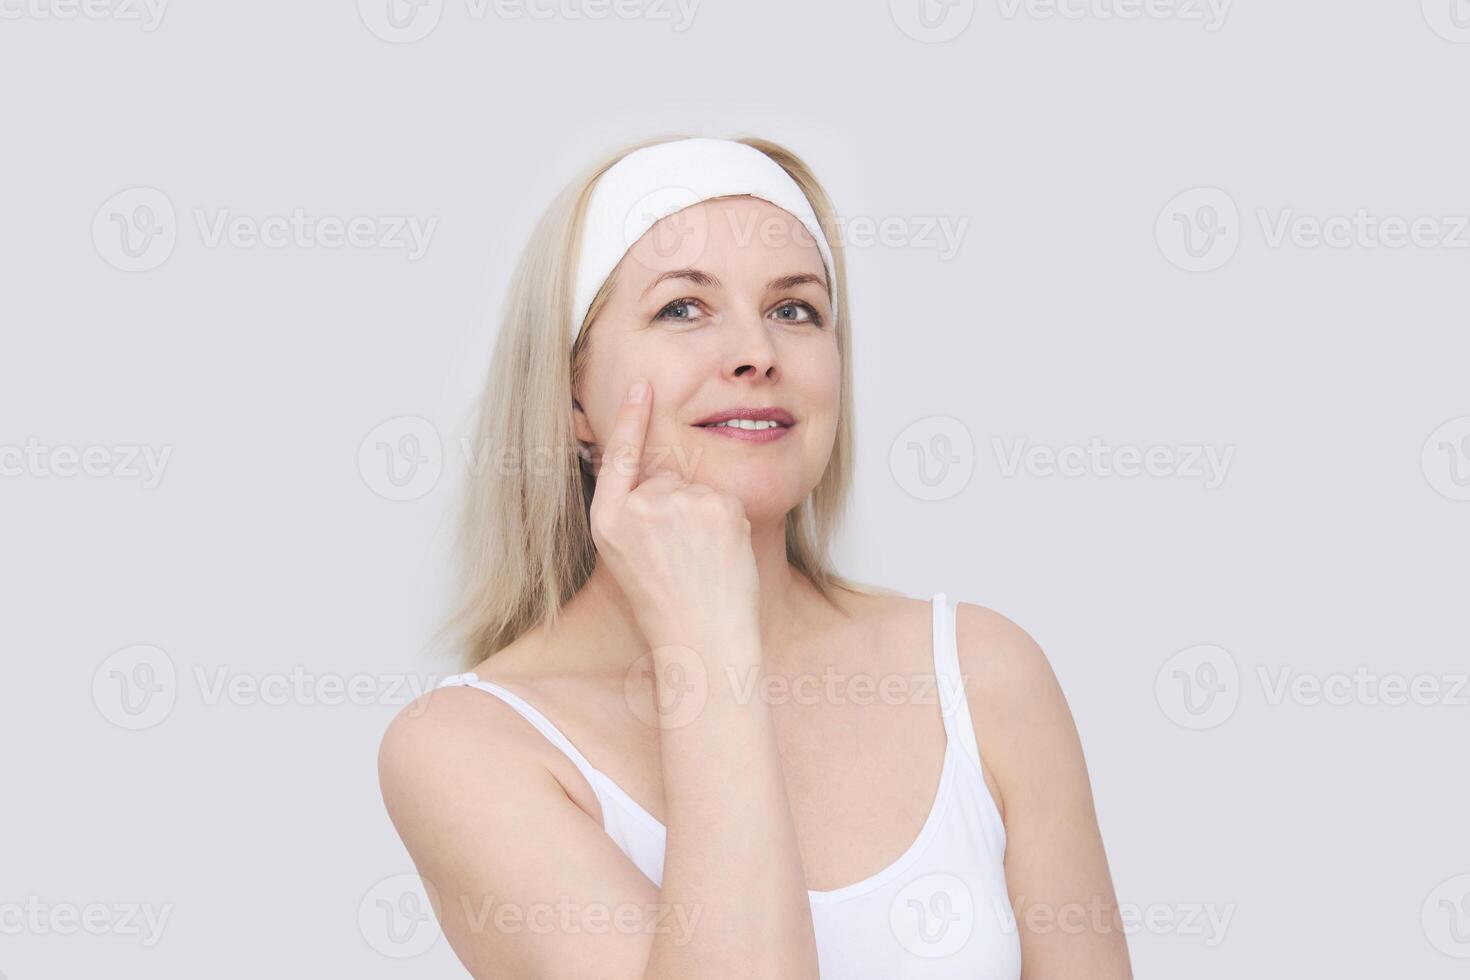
449 743
1022 720
453 729
1004 657
471 795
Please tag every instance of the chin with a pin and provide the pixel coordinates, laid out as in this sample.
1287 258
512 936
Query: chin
766 495
766 510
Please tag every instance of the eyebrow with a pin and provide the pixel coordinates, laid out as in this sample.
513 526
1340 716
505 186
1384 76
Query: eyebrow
700 278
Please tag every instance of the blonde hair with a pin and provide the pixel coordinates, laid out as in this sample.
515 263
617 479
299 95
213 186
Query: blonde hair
525 539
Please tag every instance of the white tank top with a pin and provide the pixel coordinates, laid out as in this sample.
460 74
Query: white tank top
941 910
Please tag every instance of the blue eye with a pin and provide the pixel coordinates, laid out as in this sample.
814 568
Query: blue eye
812 316
684 305
792 311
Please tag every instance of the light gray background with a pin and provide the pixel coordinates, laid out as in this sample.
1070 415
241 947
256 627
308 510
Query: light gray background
1332 835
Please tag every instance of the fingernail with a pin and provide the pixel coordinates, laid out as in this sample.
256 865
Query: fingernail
638 393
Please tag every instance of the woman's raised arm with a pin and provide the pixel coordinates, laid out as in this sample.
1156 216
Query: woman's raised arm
486 822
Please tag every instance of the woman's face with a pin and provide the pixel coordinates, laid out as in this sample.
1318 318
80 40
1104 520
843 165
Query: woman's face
721 306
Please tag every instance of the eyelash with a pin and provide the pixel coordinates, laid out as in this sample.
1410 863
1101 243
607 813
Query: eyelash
814 318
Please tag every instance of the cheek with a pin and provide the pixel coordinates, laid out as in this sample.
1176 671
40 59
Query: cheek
825 397
814 379
822 382
612 371
672 380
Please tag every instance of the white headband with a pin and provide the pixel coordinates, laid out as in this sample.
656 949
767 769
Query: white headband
656 181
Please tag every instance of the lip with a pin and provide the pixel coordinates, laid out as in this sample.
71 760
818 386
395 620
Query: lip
779 415
746 435
772 414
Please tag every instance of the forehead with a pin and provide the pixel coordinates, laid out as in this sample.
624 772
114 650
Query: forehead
729 234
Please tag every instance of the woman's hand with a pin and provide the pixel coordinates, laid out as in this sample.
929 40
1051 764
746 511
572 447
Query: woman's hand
680 551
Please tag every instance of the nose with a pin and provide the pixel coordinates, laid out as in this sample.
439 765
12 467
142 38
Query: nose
752 350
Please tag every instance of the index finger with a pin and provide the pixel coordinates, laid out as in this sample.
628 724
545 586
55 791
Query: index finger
623 458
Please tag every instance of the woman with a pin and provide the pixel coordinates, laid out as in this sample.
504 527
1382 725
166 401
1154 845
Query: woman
703 753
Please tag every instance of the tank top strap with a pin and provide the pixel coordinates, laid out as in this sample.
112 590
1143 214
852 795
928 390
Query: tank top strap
539 721
954 705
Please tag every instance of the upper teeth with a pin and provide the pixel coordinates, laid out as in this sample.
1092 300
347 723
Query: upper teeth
746 424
